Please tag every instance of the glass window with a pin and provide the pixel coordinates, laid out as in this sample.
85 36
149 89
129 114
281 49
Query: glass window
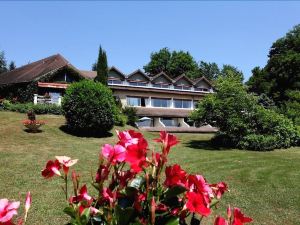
161 102
182 87
181 103
169 122
201 89
161 85
114 82
134 101
133 83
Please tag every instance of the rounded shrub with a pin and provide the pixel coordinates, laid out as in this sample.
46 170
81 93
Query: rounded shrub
89 108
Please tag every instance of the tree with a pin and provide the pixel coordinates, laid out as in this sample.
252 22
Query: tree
174 64
258 82
210 70
229 70
12 66
102 68
3 65
242 122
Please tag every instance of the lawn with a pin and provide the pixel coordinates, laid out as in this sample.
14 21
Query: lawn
266 185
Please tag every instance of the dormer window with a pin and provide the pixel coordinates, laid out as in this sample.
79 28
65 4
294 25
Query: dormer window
161 85
182 87
201 89
137 83
114 81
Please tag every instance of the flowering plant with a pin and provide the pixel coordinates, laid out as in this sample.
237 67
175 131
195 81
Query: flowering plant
8 209
131 187
31 123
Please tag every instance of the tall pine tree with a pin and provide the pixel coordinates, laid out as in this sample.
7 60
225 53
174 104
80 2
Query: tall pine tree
12 66
3 65
102 68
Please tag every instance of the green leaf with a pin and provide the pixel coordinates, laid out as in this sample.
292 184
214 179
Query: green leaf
174 191
123 216
85 216
137 182
173 221
70 211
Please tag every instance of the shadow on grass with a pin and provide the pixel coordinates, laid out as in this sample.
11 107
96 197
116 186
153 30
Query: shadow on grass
65 129
33 132
204 145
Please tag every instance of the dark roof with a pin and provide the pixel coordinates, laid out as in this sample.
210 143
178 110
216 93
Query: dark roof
35 70
184 77
162 74
203 78
138 72
162 112
117 71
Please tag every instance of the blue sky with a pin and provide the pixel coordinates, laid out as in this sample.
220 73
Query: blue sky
237 33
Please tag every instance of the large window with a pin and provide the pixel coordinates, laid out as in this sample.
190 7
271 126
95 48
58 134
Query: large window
137 101
133 83
201 89
161 102
169 122
181 103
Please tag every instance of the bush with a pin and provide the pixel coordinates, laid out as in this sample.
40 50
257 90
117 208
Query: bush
259 142
89 108
37 109
120 119
132 118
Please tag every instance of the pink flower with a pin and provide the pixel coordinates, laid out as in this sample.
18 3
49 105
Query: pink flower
175 176
129 137
114 154
51 169
66 162
197 183
28 201
219 189
168 141
196 203
8 210
239 218
108 195
83 195
102 173
220 221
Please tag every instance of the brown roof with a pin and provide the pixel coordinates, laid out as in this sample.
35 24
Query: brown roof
34 70
89 74
162 112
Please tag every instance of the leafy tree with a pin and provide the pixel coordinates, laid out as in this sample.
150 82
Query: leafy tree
94 66
242 122
258 82
158 61
231 71
102 68
12 66
210 70
174 64
3 65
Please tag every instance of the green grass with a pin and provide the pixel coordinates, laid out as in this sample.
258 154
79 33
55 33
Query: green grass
266 185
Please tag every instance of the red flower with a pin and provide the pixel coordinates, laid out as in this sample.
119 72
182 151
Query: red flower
219 189
197 183
8 210
196 203
102 173
220 221
168 141
114 154
67 162
108 195
136 157
175 176
130 137
239 218
51 169
83 195
124 177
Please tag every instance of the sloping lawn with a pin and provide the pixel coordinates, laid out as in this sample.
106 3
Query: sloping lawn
266 185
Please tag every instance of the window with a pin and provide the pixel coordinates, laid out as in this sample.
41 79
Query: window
161 85
169 122
115 82
201 89
136 83
134 101
183 104
182 87
161 102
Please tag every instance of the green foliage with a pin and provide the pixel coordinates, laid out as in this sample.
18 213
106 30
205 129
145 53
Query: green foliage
173 63
89 108
242 121
102 68
120 119
37 109
266 102
132 118
229 70
257 83
12 66
210 70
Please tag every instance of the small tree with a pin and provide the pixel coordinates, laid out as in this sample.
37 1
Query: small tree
102 68
12 66
3 65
